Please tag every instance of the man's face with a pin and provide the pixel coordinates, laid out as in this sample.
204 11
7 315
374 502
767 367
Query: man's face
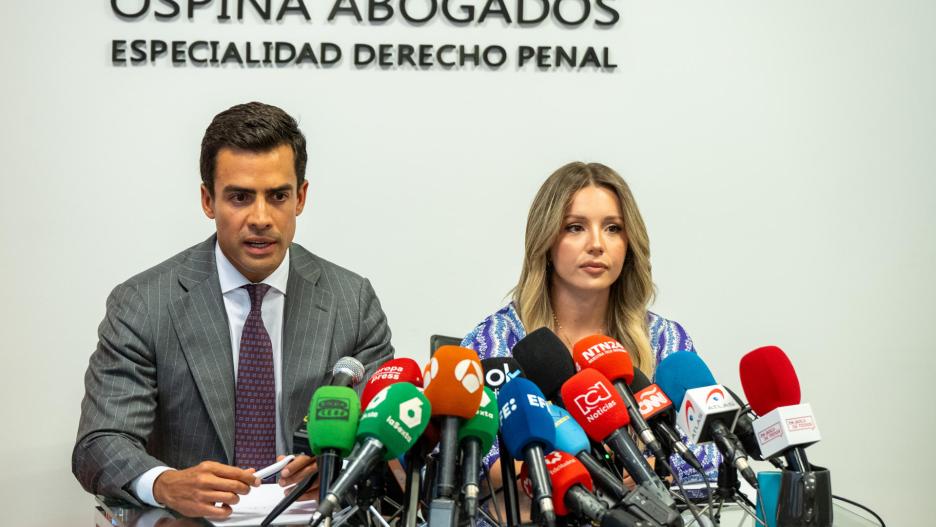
254 206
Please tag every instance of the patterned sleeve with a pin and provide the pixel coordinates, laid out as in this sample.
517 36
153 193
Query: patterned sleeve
495 336
666 337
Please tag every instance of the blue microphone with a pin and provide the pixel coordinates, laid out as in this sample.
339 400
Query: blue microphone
681 371
704 411
529 434
571 438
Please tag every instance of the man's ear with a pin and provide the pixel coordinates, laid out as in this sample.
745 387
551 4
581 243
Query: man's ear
207 202
301 195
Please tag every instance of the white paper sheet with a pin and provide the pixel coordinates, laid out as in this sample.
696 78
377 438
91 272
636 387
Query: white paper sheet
255 506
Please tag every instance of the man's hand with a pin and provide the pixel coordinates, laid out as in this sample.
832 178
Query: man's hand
295 472
195 491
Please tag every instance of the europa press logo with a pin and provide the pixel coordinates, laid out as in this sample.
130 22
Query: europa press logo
592 398
333 409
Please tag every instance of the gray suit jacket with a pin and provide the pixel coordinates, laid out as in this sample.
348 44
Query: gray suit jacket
159 389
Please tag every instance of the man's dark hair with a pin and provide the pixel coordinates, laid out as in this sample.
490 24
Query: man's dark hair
253 127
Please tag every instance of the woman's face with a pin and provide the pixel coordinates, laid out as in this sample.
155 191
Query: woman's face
589 253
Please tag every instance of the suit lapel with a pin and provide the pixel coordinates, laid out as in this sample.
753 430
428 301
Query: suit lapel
309 319
201 324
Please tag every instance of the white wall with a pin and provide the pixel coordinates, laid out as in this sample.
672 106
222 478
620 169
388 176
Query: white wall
782 154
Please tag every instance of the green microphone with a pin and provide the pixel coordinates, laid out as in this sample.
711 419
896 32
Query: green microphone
334 412
389 426
476 437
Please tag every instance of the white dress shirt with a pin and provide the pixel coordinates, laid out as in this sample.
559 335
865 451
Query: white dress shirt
237 305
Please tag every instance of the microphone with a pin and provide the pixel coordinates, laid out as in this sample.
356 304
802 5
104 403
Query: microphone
497 372
528 433
599 409
454 386
785 426
476 437
500 370
545 361
389 426
610 358
334 412
572 493
657 410
572 439
706 412
391 372
348 371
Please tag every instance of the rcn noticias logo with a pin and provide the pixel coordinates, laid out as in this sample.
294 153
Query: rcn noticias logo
592 399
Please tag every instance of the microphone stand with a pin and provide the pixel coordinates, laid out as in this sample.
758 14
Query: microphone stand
729 489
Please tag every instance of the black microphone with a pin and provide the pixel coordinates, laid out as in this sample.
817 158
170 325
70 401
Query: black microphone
497 372
546 361
657 410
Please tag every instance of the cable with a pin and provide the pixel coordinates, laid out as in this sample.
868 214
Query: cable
685 497
860 506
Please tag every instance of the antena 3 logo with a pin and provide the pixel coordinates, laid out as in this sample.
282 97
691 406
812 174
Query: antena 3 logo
468 372
595 396
602 348
333 410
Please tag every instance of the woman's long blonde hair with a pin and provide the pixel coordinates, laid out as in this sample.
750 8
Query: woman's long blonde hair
630 294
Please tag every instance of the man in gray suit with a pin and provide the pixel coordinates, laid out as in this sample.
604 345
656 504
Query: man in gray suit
205 364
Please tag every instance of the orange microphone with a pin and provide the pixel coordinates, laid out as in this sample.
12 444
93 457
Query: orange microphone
454 385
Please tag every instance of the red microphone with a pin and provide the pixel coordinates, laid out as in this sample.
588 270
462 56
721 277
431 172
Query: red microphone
785 426
594 403
769 380
454 385
391 372
610 358
573 492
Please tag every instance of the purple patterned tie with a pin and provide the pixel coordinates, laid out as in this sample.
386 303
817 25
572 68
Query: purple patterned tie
255 399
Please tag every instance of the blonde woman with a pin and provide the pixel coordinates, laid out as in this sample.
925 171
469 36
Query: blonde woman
586 271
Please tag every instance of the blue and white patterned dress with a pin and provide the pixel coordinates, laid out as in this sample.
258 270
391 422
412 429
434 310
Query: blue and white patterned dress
496 336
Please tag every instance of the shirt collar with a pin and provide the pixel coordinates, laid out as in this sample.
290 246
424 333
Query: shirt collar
232 279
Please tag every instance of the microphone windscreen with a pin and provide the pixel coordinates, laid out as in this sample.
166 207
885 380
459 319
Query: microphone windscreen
651 399
769 380
640 381
681 371
396 416
499 370
605 355
454 382
484 424
565 472
570 437
524 417
391 372
595 404
545 360
334 412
